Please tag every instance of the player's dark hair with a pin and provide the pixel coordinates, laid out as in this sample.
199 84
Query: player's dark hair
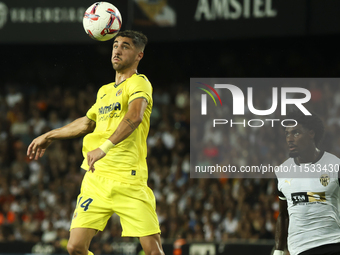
138 38
310 122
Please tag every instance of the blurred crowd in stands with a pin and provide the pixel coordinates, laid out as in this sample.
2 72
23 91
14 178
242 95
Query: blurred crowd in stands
37 198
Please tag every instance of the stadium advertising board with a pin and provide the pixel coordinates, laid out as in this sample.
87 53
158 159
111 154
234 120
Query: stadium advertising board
131 248
223 19
40 21
323 17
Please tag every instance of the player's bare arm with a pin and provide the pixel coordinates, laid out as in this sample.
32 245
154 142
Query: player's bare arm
281 230
77 128
130 122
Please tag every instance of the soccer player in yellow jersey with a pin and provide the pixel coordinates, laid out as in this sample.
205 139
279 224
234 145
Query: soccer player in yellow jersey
114 149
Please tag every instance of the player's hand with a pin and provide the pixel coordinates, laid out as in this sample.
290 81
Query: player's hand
38 147
94 156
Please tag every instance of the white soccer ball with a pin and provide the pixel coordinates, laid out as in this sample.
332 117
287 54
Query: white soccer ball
102 21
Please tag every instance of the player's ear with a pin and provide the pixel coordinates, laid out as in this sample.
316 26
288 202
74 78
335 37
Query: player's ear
311 134
140 55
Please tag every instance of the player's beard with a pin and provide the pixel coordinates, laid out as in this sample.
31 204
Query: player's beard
293 154
120 66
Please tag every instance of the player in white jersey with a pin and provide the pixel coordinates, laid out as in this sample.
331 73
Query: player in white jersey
309 207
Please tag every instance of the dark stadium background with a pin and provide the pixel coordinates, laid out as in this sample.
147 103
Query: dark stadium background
58 78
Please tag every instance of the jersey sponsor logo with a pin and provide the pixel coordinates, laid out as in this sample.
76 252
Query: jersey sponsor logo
109 108
114 115
106 112
324 179
299 197
308 197
316 196
119 92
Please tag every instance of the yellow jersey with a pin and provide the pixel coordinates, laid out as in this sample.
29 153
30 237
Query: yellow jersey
126 161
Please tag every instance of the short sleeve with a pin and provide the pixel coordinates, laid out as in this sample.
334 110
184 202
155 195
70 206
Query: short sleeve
140 87
91 113
281 196
279 193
